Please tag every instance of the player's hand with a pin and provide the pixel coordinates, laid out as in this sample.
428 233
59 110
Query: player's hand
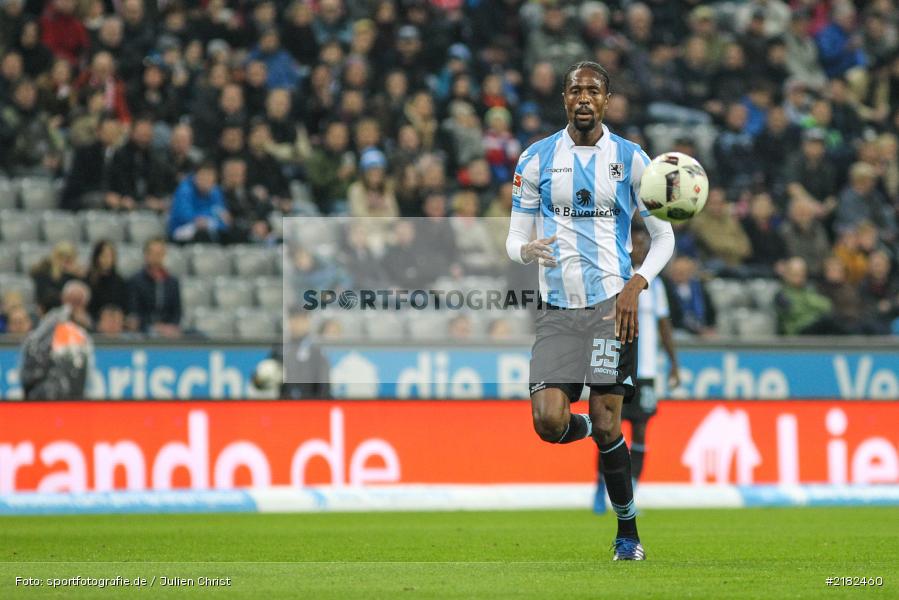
539 250
626 325
673 376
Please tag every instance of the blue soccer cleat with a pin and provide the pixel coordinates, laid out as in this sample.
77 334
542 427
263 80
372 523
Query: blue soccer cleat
628 549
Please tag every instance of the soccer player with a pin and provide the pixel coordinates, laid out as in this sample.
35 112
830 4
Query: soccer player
655 326
579 188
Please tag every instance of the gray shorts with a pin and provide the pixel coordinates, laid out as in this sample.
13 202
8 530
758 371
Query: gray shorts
577 347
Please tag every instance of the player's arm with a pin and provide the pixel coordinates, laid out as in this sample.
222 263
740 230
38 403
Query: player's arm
525 204
661 247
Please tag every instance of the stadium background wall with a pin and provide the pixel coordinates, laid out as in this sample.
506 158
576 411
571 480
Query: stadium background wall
823 368
88 446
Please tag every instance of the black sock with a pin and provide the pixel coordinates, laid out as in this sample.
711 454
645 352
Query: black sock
616 470
638 451
579 427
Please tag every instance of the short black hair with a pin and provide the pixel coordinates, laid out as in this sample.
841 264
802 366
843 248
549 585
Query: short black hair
593 66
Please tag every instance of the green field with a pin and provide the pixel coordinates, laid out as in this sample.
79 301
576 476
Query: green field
752 553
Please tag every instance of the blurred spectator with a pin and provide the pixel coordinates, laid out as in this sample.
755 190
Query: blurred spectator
802 51
359 257
155 96
774 15
720 235
849 251
101 76
58 355
297 33
249 208
463 131
500 330
372 195
703 24
844 296
154 295
860 201
478 254
734 152
691 306
11 19
282 71
839 44
54 271
289 144
880 292
800 309
761 227
811 175
31 139
92 169
18 322
500 147
804 234
264 175
36 57
198 208
108 288
11 299
110 322
306 368
775 146
460 328
137 177
182 156
310 272
228 111
331 168
63 32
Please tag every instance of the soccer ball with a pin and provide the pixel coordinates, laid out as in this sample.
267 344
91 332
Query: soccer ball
269 374
674 187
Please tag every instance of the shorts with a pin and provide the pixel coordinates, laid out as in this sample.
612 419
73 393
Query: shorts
644 405
576 347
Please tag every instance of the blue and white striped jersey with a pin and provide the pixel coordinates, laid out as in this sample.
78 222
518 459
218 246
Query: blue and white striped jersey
586 196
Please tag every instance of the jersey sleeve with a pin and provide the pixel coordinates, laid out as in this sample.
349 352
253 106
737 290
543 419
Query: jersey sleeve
526 183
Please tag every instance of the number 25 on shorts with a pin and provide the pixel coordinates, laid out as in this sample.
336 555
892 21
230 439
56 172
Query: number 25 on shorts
605 353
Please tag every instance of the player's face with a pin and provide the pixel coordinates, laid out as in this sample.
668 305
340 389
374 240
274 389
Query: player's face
586 99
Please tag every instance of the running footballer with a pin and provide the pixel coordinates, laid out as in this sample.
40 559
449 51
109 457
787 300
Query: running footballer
579 188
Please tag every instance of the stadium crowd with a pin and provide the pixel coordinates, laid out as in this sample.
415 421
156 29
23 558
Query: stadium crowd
222 116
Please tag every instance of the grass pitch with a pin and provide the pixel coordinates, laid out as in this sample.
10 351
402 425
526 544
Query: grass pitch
750 553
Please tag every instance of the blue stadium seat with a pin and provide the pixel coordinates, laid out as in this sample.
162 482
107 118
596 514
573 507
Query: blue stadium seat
144 225
212 322
230 292
255 324
18 226
250 260
103 225
208 261
38 193
176 261
195 292
9 195
130 259
57 226
269 292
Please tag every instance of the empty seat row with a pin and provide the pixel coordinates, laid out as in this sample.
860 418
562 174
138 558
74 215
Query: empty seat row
29 193
228 292
204 261
88 226
243 323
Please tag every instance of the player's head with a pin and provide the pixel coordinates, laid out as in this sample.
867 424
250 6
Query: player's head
586 94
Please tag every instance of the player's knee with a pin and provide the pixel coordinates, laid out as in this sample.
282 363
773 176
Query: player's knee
549 427
605 429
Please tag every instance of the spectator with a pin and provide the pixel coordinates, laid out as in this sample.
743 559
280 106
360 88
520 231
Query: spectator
839 46
297 33
154 295
500 146
111 322
478 254
734 153
802 51
101 76
331 168
91 171
18 322
812 175
138 178
311 272
248 207
62 31
155 96
720 235
800 309
373 195
32 141
804 235
264 175
880 292
845 297
361 259
761 227
12 16
463 132
860 201
58 355
692 311
289 144
282 71
229 111
107 287
182 156
36 57
775 146
198 208
460 328
53 272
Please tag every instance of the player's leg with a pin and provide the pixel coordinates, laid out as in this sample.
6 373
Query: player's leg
553 420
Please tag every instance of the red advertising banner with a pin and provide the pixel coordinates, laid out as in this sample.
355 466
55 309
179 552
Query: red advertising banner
202 445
